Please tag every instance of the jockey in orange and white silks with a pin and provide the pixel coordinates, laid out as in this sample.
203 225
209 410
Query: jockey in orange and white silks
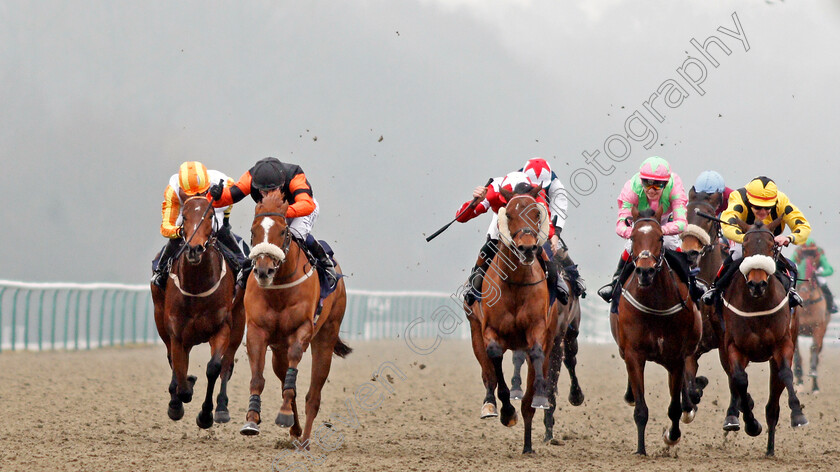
193 179
655 186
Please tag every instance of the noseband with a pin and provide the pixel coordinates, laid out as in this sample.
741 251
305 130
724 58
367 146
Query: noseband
714 233
646 254
276 253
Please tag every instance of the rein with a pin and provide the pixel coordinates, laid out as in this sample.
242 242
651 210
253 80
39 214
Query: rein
203 217
714 234
681 305
279 262
210 242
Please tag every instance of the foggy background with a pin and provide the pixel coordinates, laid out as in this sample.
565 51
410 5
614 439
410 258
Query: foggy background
102 101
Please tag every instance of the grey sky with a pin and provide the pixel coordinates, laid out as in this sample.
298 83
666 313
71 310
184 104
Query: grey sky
103 100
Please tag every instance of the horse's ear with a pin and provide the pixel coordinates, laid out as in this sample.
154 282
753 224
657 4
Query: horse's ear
657 215
691 194
634 212
507 194
716 199
182 195
741 224
535 191
775 223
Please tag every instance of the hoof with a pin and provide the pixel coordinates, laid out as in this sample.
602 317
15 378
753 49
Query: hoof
250 429
688 416
630 401
540 402
508 416
221 416
176 412
667 438
549 436
731 423
284 421
489 411
576 398
516 394
753 428
798 421
701 381
204 421
815 391
528 451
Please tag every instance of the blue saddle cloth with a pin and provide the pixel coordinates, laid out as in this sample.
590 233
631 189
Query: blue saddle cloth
326 287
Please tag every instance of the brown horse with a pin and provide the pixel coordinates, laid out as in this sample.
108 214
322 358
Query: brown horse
198 306
518 315
567 334
280 303
700 244
813 321
759 328
656 321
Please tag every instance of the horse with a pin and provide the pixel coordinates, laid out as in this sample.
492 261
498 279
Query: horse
567 334
759 328
813 321
519 314
700 244
281 301
656 321
198 306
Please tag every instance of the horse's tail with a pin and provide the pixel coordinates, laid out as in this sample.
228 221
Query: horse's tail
341 349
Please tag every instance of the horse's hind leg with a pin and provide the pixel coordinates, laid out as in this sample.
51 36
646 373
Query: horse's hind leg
218 343
636 373
570 346
816 350
797 365
228 360
527 409
496 354
783 359
555 363
322 350
538 360
676 380
772 409
256 346
516 381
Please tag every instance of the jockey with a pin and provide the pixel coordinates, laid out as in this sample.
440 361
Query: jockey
760 200
711 182
193 178
492 199
654 186
810 250
539 172
270 174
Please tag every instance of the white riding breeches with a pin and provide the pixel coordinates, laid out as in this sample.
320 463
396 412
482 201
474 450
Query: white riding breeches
302 225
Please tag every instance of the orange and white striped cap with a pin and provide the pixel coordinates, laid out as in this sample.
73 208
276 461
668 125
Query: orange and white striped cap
193 178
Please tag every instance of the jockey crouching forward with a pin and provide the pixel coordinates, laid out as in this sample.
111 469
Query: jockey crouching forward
492 199
810 251
654 186
760 200
193 179
270 174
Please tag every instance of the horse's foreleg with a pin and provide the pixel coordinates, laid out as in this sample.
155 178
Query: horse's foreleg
816 350
691 367
731 422
570 346
740 382
676 382
772 409
488 375
214 367
288 416
783 359
636 374
516 381
256 344
797 365
527 408
180 365
495 353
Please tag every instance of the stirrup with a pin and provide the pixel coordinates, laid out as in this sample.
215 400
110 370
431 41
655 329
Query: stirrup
795 299
159 279
708 298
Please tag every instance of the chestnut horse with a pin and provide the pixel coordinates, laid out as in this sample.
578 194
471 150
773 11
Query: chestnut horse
198 306
567 334
813 321
518 315
759 328
656 321
700 244
280 303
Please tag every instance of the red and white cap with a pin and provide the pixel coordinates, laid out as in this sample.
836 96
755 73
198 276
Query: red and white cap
538 171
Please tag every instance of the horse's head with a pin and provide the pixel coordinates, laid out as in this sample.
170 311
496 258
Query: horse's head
197 226
760 254
523 222
647 240
701 233
270 237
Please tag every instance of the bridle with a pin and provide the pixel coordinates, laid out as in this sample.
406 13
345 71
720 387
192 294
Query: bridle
284 248
714 233
214 228
646 254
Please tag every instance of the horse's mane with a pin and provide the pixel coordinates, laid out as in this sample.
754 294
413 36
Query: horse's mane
272 202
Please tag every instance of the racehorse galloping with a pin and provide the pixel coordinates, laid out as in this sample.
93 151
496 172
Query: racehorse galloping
281 304
813 321
567 334
519 316
657 321
197 306
700 244
759 328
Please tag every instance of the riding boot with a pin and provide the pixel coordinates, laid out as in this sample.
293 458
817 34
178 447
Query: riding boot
726 272
575 279
318 252
242 262
476 278
696 288
606 292
160 270
829 298
786 273
555 281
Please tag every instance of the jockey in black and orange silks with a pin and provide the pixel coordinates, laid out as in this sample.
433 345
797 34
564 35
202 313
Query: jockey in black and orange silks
194 179
760 200
270 174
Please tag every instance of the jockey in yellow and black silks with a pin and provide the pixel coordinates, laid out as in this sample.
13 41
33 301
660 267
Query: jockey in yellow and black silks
760 200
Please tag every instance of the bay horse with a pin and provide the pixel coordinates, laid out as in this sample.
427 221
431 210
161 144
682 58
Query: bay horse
656 321
700 244
759 328
519 315
567 334
280 305
198 306
813 321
